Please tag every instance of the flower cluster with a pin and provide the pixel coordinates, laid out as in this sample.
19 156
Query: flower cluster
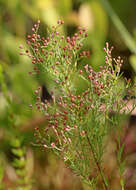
55 54
77 123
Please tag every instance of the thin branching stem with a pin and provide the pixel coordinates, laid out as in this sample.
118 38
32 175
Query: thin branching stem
97 164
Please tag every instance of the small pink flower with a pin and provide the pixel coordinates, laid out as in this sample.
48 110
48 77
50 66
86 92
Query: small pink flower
21 46
86 67
62 37
52 145
30 105
36 92
81 71
75 126
38 21
62 21
66 129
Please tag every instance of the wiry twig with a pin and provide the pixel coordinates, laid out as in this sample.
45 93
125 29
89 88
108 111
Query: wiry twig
97 164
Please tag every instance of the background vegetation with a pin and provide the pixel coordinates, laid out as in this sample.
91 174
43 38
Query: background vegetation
17 121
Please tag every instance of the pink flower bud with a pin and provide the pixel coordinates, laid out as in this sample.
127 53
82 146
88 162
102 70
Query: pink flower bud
38 22
52 145
30 105
21 46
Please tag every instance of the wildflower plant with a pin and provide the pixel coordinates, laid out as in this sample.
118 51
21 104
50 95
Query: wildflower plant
78 123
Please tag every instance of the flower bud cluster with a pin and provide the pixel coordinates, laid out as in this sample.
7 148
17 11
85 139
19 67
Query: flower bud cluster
74 121
55 54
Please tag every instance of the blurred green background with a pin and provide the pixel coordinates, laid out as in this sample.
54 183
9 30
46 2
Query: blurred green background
16 20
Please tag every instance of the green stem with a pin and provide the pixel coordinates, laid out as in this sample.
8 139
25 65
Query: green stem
98 165
122 184
126 36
